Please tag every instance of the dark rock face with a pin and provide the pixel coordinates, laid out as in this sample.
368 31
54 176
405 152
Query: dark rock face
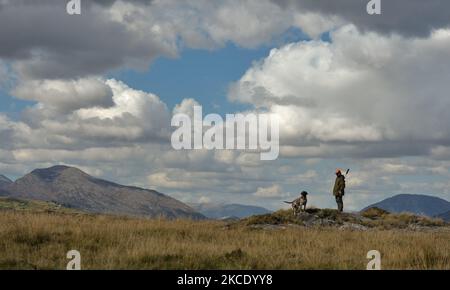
74 188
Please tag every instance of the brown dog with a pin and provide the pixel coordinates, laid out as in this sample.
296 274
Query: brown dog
299 204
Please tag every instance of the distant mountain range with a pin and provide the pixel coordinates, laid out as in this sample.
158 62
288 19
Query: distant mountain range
73 188
417 204
228 211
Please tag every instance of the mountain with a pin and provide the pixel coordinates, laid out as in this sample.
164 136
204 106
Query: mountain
75 189
417 204
223 211
445 216
4 181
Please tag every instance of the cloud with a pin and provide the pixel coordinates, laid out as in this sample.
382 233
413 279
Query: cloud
66 95
274 191
99 154
305 177
86 113
398 168
361 93
186 107
162 180
148 108
204 199
315 24
47 43
441 152
407 17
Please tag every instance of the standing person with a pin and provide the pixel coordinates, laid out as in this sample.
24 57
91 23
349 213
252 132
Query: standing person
339 189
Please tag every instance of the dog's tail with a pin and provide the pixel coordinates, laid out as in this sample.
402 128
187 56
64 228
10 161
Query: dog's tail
289 202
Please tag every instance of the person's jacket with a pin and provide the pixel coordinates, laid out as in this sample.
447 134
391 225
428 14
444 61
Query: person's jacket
339 186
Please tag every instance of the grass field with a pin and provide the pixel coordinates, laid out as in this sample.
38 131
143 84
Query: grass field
40 240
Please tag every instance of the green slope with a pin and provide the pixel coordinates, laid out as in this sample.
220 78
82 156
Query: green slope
14 204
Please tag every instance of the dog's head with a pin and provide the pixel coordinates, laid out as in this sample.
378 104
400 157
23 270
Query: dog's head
304 193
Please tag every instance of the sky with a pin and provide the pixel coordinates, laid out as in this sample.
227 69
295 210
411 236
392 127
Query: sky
352 90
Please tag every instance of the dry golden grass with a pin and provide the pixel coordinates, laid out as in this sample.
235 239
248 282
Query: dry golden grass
41 241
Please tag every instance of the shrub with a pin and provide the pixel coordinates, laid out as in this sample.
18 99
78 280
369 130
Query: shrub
374 213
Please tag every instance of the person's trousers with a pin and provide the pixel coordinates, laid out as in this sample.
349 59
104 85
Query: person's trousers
340 203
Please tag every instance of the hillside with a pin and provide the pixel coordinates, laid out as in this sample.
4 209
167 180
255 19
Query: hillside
221 211
41 241
373 218
445 216
75 189
4 181
34 206
417 204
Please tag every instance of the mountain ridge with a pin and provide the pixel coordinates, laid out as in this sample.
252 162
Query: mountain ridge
73 188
